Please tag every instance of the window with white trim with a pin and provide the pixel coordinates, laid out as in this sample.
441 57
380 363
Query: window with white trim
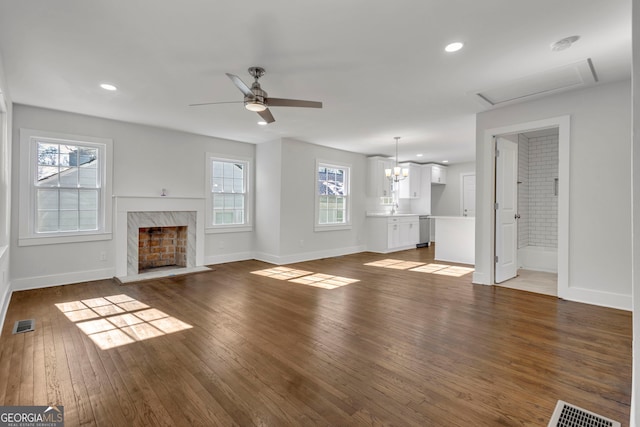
332 196
65 189
228 195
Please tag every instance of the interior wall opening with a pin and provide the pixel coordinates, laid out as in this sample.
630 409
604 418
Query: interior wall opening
537 211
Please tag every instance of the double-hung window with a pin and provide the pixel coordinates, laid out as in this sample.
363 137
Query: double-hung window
66 194
332 196
228 194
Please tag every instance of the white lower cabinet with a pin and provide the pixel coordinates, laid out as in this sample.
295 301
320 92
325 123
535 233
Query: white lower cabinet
392 233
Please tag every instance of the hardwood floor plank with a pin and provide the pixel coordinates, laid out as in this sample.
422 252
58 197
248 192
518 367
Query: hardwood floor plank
397 347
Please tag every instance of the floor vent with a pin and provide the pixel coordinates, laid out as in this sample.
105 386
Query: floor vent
22 326
567 415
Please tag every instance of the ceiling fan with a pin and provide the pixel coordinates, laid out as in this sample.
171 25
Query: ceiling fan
256 99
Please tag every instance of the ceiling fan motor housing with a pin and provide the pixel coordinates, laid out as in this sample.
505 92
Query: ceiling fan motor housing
258 97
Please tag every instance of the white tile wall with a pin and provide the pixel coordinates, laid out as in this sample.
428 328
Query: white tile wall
542 210
523 191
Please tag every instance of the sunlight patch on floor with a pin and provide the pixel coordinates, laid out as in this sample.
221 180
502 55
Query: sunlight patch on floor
325 281
319 280
282 273
420 267
444 269
395 264
119 319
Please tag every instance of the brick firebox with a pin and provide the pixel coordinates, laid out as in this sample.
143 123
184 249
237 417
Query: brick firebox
161 247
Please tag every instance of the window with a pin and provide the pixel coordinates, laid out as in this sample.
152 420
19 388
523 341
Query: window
228 194
65 192
332 196
67 187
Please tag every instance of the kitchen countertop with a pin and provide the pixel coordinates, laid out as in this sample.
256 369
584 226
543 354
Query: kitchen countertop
453 217
387 214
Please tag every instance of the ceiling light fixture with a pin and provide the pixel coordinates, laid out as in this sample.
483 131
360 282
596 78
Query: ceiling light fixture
564 43
262 123
453 47
108 86
255 106
396 174
445 161
419 155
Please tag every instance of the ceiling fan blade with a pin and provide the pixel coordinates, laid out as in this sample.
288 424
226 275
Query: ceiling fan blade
281 102
212 103
266 116
240 85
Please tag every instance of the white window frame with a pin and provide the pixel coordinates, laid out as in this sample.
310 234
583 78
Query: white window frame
248 202
27 235
347 184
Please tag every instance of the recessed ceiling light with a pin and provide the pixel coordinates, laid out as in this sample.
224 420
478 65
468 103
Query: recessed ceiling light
445 161
262 123
564 43
107 86
453 47
418 155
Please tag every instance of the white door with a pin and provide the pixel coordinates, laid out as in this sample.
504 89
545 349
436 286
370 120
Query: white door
468 195
506 210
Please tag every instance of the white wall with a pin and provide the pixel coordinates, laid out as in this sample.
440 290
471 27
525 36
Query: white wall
294 239
599 188
446 200
268 201
5 195
145 160
635 197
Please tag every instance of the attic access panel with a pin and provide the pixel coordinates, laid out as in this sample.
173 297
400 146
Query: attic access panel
558 79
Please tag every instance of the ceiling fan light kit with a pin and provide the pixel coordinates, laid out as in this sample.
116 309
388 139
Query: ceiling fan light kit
257 100
254 106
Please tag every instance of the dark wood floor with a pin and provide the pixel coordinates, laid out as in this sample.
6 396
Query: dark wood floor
397 347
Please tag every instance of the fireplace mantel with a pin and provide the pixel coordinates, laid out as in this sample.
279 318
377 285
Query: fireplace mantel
123 205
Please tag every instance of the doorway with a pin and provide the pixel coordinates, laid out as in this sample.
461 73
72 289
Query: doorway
468 194
559 186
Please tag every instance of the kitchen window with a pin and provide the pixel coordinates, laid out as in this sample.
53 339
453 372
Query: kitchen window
65 188
228 195
332 196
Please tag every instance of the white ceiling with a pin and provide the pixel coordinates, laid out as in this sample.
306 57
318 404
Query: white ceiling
378 66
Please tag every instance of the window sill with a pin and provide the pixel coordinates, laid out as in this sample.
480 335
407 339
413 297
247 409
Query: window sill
54 240
333 227
229 229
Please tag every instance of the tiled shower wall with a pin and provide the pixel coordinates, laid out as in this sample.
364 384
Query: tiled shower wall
523 191
538 225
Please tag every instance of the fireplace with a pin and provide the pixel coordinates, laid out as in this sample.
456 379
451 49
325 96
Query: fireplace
161 247
182 216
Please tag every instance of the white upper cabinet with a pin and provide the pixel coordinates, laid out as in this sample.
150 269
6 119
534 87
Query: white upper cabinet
438 174
410 187
379 185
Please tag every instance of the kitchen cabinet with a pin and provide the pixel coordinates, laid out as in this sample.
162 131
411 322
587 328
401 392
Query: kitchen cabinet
455 239
438 174
379 185
410 187
392 233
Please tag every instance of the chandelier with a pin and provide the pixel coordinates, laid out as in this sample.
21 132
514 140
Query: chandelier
396 174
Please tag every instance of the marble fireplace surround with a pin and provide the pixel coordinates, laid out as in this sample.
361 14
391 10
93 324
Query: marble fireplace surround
135 212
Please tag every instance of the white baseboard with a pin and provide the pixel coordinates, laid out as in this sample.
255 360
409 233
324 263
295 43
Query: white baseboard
221 259
307 256
61 279
590 296
480 279
4 305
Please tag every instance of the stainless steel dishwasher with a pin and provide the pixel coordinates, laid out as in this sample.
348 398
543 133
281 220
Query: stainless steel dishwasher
425 231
